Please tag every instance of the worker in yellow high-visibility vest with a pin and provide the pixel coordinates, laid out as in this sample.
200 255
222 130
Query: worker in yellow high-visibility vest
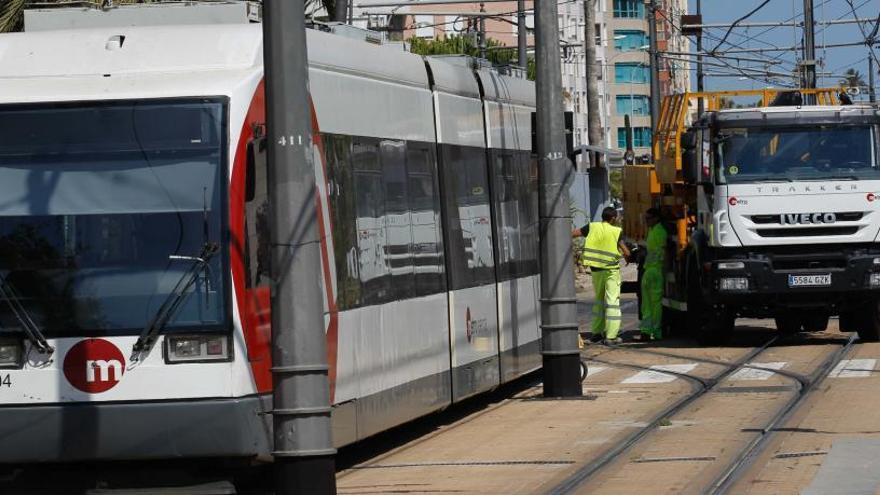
652 278
602 253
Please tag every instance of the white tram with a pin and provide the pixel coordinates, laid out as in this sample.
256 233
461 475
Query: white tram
133 207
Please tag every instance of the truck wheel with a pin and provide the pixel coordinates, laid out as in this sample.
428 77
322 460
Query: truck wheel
869 324
788 323
715 326
848 322
673 322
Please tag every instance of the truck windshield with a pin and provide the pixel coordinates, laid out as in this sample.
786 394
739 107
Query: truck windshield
796 153
103 206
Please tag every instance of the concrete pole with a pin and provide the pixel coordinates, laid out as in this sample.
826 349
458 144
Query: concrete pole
304 453
559 328
340 12
809 46
521 35
872 94
595 136
655 69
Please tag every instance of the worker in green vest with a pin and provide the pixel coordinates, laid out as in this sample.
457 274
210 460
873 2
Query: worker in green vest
652 278
602 253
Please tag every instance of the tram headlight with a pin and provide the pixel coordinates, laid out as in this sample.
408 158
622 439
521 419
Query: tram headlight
10 353
196 348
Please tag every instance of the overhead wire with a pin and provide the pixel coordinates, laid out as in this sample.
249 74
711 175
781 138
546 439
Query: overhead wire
869 39
751 13
721 60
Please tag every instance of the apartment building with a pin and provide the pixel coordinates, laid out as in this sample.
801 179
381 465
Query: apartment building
627 68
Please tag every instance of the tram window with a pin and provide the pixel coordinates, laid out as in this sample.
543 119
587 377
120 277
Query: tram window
468 218
397 250
257 247
373 269
424 201
341 191
515 200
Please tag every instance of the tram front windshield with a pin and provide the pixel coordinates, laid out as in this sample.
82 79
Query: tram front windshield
105 207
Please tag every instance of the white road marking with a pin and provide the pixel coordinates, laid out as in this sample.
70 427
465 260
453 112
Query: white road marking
747 374
853 368
595 370
656 375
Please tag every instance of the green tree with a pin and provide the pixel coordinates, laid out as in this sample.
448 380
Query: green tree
466 45
853 79
615 180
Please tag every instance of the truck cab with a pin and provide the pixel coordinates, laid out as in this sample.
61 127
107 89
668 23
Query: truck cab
784 218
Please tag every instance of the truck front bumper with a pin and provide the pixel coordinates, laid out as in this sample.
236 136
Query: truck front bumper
762 283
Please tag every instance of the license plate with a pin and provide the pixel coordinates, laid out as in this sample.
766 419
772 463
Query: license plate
823 280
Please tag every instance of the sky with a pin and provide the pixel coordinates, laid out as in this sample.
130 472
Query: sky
834 60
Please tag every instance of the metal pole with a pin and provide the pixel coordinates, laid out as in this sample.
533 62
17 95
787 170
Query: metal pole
481 40
872 95
304 453
559 328
655 69
340 12
809 62
700 62
594 122
521 34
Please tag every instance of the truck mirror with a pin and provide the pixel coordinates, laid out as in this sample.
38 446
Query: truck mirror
690 169
688 140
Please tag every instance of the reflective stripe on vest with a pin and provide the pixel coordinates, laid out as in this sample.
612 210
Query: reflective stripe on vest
600 246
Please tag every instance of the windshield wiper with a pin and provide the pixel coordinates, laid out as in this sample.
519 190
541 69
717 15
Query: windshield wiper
172 303
33 332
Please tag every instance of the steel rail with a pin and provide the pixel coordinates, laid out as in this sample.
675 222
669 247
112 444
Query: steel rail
706 384
748 455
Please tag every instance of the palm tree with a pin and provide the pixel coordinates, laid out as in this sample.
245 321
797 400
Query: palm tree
852 79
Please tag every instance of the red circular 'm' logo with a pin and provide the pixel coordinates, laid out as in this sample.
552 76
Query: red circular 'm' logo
732 201
94 365
871 197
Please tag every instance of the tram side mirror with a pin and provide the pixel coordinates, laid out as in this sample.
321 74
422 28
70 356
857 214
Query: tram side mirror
690 167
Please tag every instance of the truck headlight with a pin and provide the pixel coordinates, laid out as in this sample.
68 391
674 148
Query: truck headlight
733 284
874 279
731 265
10 353
196 348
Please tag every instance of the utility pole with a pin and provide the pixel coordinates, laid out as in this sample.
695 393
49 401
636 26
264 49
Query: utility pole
809 62
700 61
481 39
594 123
340 12
521 35
559 328
872 95
303 446
655 68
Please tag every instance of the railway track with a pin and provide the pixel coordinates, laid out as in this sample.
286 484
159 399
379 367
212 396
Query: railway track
702 387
